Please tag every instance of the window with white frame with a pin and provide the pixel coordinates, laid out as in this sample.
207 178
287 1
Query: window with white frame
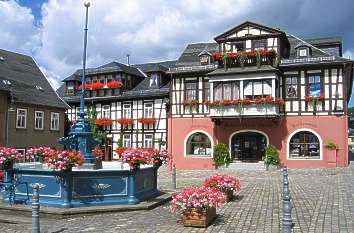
304 144
291 86
21 119
105 111
54 121
252 89
191 89
198 144
226 91
127 140
38 119
127 112
148 110
148 141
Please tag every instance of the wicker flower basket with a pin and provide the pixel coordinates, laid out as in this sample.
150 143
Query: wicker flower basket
194 217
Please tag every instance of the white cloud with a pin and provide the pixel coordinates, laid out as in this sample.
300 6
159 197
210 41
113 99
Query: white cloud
17 29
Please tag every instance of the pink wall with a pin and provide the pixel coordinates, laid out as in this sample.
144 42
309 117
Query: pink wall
278 132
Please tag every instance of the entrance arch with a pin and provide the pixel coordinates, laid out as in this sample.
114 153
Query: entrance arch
248 145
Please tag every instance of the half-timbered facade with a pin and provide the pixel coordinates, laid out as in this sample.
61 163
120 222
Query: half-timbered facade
133 98
257 86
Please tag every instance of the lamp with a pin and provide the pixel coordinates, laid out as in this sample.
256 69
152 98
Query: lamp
87 3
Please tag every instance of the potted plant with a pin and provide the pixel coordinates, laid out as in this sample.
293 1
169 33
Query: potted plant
271 157
64 160
8 157
135 158
198 205
159 157
221 155
99 154
332 148
39 153
224 183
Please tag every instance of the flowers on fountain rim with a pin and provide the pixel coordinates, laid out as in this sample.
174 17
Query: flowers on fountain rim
64 160
39 153
223 183
9 156
199 197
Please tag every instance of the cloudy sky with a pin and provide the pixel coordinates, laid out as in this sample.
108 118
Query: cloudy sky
52 30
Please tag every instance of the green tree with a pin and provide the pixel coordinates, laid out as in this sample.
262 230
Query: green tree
272 155
221 154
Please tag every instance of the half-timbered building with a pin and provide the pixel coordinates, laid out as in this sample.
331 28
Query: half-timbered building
132 98
255 86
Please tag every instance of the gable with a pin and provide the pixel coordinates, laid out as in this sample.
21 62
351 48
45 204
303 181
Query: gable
247 29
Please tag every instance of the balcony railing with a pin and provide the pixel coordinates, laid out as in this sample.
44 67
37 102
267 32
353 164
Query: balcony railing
249 110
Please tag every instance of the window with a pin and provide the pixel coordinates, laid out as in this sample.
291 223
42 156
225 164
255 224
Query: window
303 52
38 119
198 144
126 140
252 89
21 151
153 80
70 88
226 91
148 110
105 111
206 90
304 144
238 46
259 44
314 85
21 119
204 59
54 121
291 86
148 141
191 90
127 113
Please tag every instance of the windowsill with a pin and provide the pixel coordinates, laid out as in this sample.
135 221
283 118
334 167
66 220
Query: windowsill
21 127
55 130
199 156
39 129
305 158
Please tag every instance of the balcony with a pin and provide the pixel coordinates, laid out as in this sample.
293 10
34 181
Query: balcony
243 58
246 108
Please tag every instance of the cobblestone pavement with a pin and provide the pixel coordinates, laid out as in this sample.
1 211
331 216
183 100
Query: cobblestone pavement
323 201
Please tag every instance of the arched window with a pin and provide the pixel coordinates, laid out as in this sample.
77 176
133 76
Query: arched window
198 144
304 144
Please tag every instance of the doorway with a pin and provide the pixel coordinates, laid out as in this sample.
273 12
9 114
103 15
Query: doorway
248 146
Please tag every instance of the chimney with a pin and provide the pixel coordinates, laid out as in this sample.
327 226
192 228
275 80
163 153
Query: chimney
128 59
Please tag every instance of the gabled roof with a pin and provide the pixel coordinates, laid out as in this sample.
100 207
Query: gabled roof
155 66
245 24
107 68
27 82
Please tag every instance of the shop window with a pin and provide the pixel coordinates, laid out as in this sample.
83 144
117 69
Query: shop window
291 86
198 144
304 144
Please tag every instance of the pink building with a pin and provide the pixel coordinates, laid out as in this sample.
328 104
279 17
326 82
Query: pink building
256 86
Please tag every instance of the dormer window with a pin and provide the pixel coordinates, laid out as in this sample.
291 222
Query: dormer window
302 50
153 80
204 58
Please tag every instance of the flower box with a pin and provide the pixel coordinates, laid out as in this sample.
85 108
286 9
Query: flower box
331 155
193 217
101 93
117 91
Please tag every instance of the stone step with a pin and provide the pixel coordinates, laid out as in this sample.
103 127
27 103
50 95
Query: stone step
246 166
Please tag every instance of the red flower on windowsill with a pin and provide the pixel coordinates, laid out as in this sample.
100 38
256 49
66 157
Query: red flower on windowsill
218 56
125 121
279 102
97 86
104 122
114 84
190 102
207 103
310 98
246 101
87 87
144 120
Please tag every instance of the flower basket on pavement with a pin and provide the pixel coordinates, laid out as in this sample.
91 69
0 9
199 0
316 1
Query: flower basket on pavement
226 184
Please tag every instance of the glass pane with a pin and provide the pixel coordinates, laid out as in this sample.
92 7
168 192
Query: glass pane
315 89
311 79
257 87
248 89
267 89
294 80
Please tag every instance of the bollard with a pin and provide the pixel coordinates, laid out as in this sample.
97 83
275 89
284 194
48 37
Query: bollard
287 220
174 176
35 209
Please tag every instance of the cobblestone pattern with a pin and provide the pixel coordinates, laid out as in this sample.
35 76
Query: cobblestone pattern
323 201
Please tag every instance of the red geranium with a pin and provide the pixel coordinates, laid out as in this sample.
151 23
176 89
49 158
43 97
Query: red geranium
104 121
269 99
279 101
97 86
125 121
207 103
114 84
144 120
246 101
218 56
87 87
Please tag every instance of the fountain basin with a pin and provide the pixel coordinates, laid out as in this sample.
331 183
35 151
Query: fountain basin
80 188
